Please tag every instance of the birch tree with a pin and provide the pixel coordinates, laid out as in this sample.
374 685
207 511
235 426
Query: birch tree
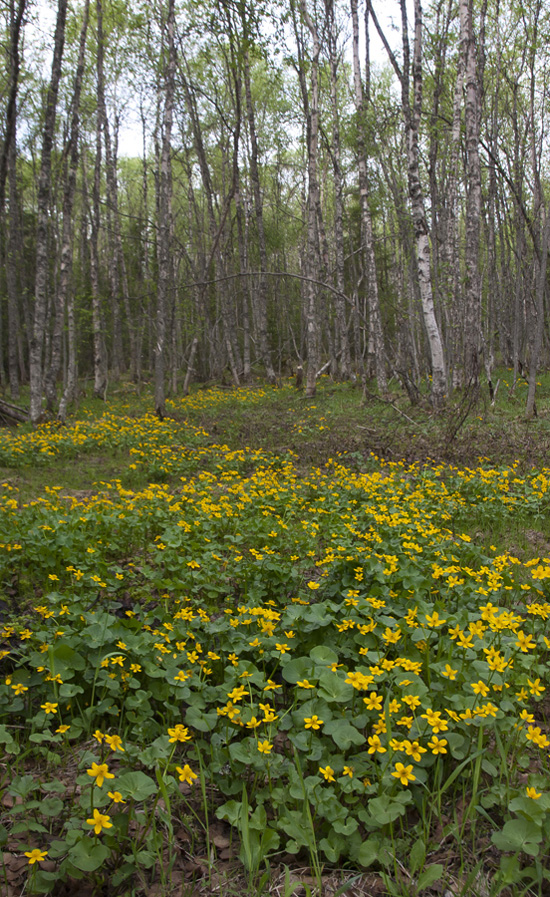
43 198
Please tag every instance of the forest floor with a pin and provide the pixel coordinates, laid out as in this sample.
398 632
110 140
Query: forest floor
348 558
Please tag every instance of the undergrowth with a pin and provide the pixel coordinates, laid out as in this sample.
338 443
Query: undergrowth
224 649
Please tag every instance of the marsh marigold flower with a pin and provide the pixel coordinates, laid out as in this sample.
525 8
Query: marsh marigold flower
186 774
36 856
99 822
100 771
327 772
312 722
531 792
404 773
178 733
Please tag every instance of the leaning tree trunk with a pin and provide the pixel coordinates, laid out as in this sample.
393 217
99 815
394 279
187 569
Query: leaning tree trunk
40 290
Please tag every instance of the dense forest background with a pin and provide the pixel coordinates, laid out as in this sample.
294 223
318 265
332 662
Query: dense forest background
289 206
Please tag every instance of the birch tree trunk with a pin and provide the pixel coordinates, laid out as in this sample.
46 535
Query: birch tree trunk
312 262
539 321
411 118
13 238
472 316
118 274
375 337
16 23
341 324
41 278
165 215
261 308
100 352
63 288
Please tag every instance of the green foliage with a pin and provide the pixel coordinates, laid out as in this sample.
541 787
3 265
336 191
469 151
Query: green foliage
315 656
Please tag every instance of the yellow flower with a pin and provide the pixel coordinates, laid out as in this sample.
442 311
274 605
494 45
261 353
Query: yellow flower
312 722
412 701
304 683
479 688
265 747
404 773
438 745
375 745
533 793
99 822
414 749
373 702
186 774
328 773
178 733
313 585
348 771
100 771
434 620
49 707
114 742
19 688
116 797
99 736
62 729
35 855
535 687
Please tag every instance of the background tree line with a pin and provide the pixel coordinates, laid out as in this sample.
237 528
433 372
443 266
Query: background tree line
289 203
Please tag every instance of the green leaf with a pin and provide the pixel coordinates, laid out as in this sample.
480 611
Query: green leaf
333 688
384 809
296 669
343 733
136 785
368 852
519 834
323 655
52 806
199 720
88 855
429 875
417 856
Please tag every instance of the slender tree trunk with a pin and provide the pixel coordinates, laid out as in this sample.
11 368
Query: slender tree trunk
472 322
265 353
100 352
40 291
13 238
539 320
16 22
375 340
312 261
341 324
165 216
63 290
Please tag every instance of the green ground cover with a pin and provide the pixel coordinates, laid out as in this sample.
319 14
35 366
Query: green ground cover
241 635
